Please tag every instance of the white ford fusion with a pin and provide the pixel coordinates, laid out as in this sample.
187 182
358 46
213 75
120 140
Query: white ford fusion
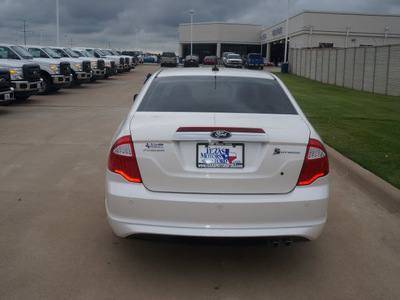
217 153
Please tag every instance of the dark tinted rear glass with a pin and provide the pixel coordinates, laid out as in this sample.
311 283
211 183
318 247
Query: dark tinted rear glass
255 56
168 54
219 94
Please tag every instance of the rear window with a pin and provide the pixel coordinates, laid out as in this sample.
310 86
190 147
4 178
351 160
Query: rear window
168 54
216 94
255 56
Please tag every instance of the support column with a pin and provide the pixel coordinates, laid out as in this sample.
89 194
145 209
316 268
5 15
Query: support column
268 53
218 54
180 50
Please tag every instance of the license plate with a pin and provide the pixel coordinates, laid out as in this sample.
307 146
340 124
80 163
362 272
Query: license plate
220 155
39 85
6 96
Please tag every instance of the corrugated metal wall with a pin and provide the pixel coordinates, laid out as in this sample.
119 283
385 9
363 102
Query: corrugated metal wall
370 69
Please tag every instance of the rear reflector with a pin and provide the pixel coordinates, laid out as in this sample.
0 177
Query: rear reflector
122 160
211 129
315 164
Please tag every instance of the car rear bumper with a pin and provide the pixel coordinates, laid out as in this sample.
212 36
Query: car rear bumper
132 209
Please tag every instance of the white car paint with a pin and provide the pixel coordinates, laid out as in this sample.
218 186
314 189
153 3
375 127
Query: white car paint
174 196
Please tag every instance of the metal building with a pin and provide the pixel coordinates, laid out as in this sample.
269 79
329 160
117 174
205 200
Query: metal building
309 29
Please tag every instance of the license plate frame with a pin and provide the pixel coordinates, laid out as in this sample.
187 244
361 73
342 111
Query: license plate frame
216 156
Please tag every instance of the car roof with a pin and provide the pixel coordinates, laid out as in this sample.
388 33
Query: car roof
220 72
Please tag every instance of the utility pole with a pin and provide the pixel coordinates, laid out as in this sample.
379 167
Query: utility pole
24 31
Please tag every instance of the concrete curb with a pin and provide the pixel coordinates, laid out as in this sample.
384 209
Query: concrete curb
384 193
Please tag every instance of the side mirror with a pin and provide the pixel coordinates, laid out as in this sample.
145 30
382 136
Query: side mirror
134 97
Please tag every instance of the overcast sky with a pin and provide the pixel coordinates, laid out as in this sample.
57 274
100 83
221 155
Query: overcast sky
151 25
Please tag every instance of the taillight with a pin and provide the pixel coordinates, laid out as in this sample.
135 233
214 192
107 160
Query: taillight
122 160
315 163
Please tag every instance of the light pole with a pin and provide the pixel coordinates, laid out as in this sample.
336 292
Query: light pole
58 25
287 29
136 37
191 12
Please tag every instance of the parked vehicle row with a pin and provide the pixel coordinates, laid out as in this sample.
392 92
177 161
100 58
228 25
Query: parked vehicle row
30 70
229 60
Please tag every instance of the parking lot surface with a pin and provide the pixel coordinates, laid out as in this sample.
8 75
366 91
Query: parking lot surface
56 243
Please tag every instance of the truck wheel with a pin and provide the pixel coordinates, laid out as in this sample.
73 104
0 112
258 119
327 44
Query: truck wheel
74 81
47 86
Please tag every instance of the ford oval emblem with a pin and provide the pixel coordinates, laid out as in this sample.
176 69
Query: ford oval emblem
220 134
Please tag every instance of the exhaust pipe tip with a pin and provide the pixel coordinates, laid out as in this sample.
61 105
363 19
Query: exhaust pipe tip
287 242
275 243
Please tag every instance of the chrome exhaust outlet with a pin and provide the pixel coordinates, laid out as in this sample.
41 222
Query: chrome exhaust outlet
287 242
275 243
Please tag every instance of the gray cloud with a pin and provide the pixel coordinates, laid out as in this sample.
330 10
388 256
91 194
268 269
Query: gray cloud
152 24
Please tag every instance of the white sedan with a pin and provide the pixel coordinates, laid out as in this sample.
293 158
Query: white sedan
217 153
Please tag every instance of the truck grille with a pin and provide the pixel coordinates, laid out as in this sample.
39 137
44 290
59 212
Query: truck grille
121 61
65 68
127 60
31 72
100 64
113 65
86 65
5 80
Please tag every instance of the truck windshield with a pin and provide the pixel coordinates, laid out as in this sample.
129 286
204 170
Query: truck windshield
108 52
87 53
101 52
60 52
51 53
22 52
71 53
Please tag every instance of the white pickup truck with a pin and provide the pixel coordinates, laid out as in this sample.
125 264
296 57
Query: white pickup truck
56 74
98 69
119 61
80 71
168 58
25 76
111 64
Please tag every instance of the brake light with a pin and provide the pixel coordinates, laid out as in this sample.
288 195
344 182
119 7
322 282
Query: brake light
315 164
122 160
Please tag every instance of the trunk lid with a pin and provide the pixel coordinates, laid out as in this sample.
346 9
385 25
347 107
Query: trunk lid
168 159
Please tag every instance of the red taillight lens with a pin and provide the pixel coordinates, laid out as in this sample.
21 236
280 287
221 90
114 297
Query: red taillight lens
122 160
315 163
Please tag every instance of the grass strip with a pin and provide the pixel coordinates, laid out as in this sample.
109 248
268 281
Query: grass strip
364 127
